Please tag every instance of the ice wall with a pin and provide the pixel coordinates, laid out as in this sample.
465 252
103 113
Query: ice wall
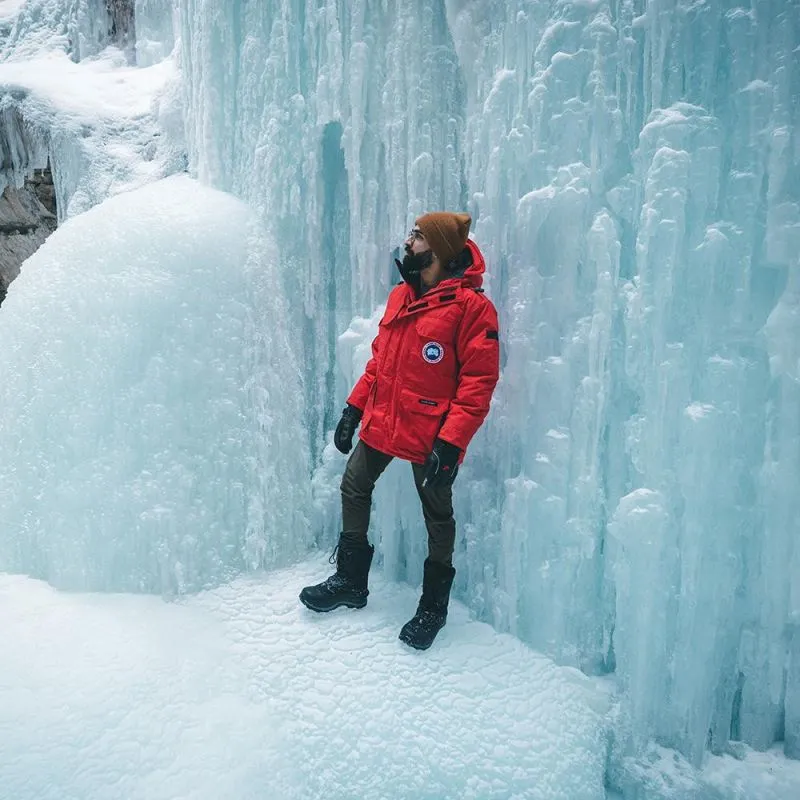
23 145
324 116
632 168
156 21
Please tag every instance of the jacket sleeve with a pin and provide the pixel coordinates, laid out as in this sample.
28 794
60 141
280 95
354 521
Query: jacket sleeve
478 352
358 397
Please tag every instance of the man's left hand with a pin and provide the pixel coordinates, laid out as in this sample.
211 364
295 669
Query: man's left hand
441 466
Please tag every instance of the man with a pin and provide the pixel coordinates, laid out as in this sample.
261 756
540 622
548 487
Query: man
422 397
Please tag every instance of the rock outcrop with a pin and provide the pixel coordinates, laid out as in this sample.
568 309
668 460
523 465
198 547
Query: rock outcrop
27 218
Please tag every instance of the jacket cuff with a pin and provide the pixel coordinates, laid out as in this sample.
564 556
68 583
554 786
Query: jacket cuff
354 411
449 445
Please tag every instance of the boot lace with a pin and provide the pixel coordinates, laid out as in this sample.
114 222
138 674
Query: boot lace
336 582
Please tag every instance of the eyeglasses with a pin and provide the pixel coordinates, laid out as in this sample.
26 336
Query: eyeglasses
416 234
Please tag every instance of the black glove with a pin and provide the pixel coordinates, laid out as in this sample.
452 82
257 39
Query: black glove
343 436
441 466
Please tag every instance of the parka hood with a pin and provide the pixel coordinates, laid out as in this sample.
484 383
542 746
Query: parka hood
472 274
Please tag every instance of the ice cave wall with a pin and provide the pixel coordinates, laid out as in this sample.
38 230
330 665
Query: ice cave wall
632 169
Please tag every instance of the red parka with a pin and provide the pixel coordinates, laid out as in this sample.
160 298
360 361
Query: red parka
435 363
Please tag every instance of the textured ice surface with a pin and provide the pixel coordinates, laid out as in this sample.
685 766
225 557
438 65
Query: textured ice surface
80 27
243 693
141 426
156 21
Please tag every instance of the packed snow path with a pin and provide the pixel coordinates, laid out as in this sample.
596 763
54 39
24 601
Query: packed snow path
241 692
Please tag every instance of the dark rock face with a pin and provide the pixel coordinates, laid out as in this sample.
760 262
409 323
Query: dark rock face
42 185
121 23
27 218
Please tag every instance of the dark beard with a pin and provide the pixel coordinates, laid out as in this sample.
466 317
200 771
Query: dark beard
411 266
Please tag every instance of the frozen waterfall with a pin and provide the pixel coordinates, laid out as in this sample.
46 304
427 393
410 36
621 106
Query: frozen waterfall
632 168
630 507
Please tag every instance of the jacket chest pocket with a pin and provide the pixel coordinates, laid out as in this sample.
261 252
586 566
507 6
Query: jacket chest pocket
435 337
431 365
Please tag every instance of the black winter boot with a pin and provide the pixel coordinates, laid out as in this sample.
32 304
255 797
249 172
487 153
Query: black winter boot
348 585
431 615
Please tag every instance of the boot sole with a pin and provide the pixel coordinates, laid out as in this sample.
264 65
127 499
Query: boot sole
419 646
412 645
323 609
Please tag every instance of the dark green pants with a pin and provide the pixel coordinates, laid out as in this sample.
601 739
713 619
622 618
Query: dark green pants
364 467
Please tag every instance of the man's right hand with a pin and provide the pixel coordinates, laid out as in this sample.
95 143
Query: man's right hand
343 436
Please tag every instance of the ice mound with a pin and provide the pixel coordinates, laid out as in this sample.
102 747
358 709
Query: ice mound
144 349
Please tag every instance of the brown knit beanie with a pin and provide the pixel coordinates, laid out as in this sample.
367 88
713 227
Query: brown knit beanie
446 233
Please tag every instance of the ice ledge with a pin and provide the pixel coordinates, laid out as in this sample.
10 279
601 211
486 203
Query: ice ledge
106 127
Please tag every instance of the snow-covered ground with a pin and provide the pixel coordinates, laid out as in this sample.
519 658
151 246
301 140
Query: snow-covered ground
242 693
89 91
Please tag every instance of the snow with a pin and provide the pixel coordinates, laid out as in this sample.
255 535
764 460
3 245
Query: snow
743 775
105 127
766 776
10 8
91 91
241 692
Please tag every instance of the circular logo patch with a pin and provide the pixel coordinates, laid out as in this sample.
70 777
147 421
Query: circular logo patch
433 352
